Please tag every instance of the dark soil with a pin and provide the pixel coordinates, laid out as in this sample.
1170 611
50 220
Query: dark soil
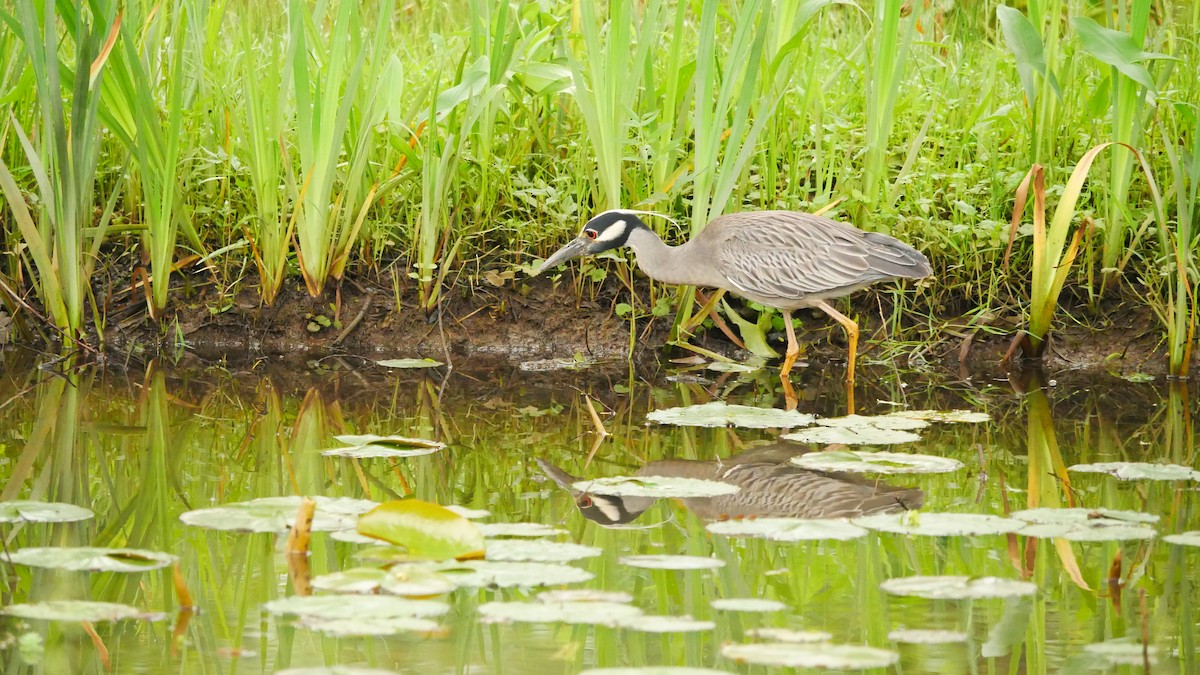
536 318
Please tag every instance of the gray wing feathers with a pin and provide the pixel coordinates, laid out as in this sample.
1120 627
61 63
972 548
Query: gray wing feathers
785 254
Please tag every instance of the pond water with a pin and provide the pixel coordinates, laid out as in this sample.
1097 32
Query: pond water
709 582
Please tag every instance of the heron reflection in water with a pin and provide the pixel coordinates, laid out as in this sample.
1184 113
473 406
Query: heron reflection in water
770 487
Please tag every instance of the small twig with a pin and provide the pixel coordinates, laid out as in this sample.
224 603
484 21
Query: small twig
595 417
99 642
356 320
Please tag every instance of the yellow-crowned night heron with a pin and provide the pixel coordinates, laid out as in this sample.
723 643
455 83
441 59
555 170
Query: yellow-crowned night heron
782 259
770 486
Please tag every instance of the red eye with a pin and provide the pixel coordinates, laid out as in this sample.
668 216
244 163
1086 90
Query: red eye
591 234
585 502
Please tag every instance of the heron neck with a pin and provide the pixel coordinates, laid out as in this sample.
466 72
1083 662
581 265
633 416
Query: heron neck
668 264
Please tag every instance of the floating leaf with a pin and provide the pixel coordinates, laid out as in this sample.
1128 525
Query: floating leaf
409 363
890 422
403 580
491 530
77 610
276 514
794 655
867 435
469 513
1123 652
369 626
425 529
583 595
1139 470
662 487
720 414
535 550
789 635
875 462
938 524
1191 538
1060 516
352 537
547 365
672 562
944 416
666 624
1078 524
364 446
787 529
598 613
926 636
747 605
24 510
398 442
957 588
355 607
479 573
87 559
653 670
733 367
335 670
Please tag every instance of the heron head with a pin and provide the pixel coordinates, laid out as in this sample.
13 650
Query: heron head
604 232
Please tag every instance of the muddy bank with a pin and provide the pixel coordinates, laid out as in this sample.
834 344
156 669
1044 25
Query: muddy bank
537 319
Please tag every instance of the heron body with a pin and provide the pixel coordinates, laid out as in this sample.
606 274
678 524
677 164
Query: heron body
783 259
769 486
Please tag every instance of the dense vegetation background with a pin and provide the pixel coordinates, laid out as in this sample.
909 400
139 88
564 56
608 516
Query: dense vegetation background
433 144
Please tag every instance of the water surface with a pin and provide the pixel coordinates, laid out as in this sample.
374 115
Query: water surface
141 447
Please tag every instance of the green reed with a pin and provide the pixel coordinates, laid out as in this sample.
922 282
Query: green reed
58 236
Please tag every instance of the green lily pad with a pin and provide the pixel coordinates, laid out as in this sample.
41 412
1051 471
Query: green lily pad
789 635
733 367
335 670
1079 524
87 559
957 587
363 446
720 414
583 595
661 487
1123 652
486 573
409 363
596 613
666 624
369 626
24 510
536 550
672 562
492 530
426 530
1066 516
926 636
78 610
355 607
654 670
891 422
824 655
277 514
944 416
875 462
747 605
1191 538
1139 470
867 435
548 365
469 513
939 524
402 580
788 529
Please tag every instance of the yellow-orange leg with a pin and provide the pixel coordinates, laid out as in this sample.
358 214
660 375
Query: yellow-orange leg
789 360
852 340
